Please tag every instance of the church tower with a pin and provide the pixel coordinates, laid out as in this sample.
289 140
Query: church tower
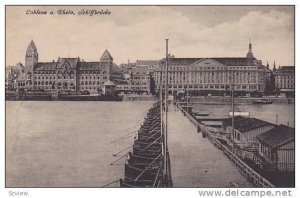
31 57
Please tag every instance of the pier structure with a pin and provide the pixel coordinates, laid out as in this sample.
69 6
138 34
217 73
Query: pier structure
148 164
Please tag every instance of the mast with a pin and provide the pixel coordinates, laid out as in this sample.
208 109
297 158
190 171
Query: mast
161 109
166 112
232 102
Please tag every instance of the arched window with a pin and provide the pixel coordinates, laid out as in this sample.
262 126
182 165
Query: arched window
90 83
86 82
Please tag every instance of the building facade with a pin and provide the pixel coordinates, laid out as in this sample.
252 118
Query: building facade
277 149
246 130
285 79
67 73
202 76
138 81
12 73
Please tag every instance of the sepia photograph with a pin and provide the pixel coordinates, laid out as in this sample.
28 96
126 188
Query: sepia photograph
186 96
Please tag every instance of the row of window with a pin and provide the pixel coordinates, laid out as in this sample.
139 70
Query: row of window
210 86
208 68
67 77
184 80
91 82
285 77
70 72
132 88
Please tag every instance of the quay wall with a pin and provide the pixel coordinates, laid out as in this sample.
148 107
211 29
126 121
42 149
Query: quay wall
250 174
227 100
139 98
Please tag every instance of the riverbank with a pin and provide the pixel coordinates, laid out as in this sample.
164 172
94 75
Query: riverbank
227 100
139 98
55 96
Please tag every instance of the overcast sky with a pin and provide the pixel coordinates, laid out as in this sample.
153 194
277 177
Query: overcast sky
139 32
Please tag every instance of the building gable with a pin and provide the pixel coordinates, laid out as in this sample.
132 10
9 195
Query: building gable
208 62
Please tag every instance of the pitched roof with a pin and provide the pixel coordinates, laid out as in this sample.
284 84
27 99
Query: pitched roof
106 55
286 69
235 61
147 62
228 61
89 65
32 46
180 61
142 69
116 68
46 66
245 124
228 121
277 136
109 83
71 61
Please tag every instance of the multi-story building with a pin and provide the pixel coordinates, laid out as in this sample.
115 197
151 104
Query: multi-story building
11 75
285 79
139 76
67 73
202 76
151 65
138 82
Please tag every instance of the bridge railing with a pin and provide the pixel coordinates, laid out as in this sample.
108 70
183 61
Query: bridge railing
250 174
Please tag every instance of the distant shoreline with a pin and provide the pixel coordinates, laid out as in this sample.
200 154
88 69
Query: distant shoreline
227 100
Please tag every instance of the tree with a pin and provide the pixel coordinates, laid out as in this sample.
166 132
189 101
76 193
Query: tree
152 85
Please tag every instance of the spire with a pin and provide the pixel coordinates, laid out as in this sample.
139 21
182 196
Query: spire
274 68
267 64
31 47
250 54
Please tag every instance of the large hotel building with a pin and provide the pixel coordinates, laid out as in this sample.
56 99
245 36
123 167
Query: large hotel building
202 76
67 73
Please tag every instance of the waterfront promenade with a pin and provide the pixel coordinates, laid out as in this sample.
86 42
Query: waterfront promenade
195 162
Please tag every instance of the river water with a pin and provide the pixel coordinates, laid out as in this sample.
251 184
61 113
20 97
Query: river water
285 112
71 144
68 144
